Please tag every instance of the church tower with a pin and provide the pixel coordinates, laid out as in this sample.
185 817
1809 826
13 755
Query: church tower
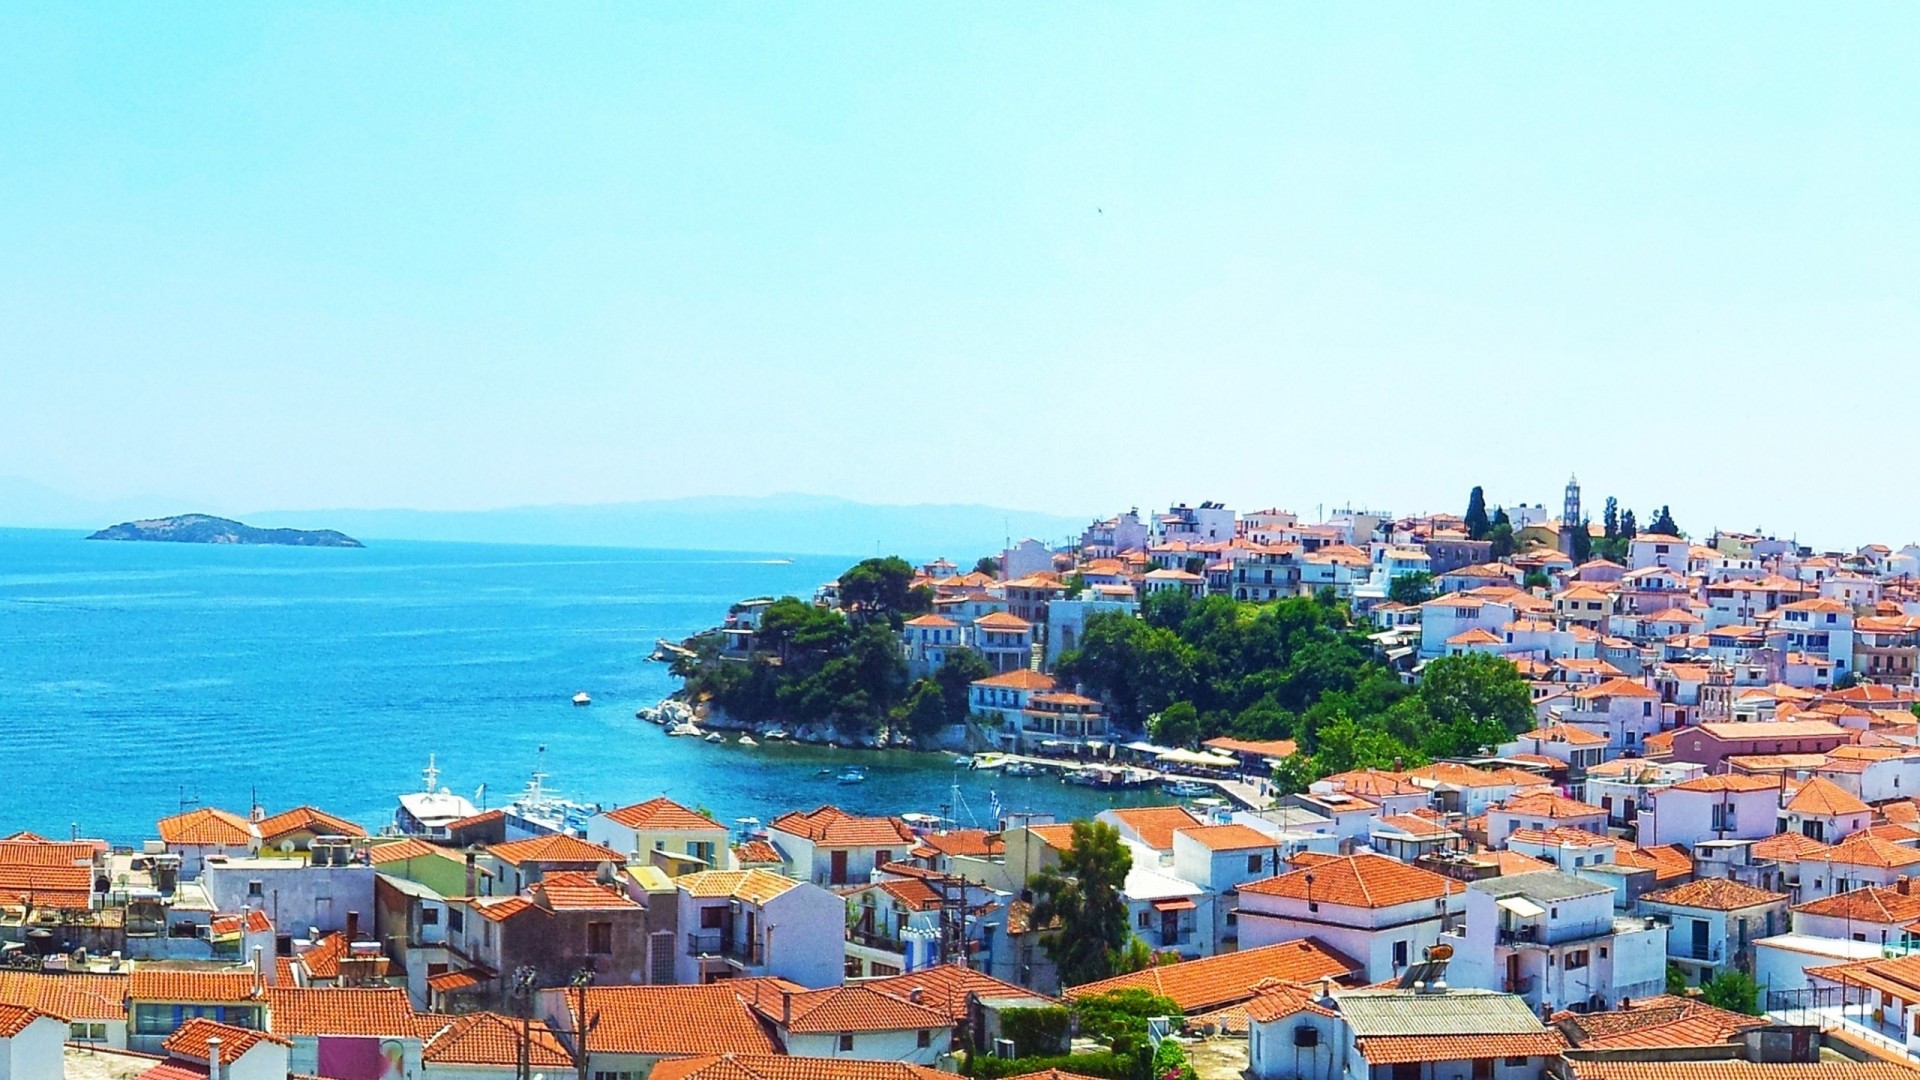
1570 516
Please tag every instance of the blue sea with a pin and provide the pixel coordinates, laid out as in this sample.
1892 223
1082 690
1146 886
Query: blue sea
138 678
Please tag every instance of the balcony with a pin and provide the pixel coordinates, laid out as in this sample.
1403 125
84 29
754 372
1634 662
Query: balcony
1521 985
1518 935
873 939
708 943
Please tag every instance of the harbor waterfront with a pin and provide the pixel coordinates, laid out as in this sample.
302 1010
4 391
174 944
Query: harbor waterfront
138 677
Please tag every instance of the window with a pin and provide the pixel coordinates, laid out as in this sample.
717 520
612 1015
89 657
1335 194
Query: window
1515 1062
456 920
600 939
1253 864
1145 919
926 1038
1603 952
1576 959
712 918
846 1042
1399 954
84 1032
430 916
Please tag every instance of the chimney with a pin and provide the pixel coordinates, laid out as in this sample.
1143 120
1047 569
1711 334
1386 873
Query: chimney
915 994
213 1058
353 927
260 976
470 872
1905 885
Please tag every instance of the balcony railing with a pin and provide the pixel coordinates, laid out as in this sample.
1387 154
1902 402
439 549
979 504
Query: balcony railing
875 940
1710 951
1519 935
1521 985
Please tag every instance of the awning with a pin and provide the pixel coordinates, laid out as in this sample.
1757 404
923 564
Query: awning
1190 757
1173 903
1521 906
448 982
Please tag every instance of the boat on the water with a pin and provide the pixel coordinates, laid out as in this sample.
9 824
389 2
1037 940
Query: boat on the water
987 761
853 775
776 735
714 736
746 740
1020 768
1186 789
685 727
539 812
583 698
429 811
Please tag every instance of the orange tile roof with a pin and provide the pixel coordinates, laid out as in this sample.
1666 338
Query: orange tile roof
1058 836
1458 775
1728 782
1364 880
1874 903
1000 620
307 819
487 1038
846 1008
406 848
328 1010
553 848
831 827
1560 836
189 985
15 1019
1738 1070
1824 798
945 988
1512 862
252 921
662 813
208 826
1374 783
1224 979
1788 847
26 849
1660 1021
964 842
1667 861
1229 837
193 1039
1407 1049
1863 850
578 891
70 996
1155 825
913 894
1713 894
783 1067
1566 733
1273 748
499 908
757 851
1549 805
65 888
1018 679
1279 1002
757 886
1616 688
656 1020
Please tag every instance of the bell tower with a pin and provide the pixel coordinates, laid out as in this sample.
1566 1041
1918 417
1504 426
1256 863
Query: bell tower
1570 516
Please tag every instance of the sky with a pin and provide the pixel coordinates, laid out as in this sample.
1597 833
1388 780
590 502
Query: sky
1063 257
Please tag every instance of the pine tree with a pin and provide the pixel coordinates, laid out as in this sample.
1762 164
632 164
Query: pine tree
1477 521
1663 523
1610 518
1628 529
1582 543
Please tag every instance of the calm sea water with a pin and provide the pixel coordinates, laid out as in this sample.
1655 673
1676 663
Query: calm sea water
135 677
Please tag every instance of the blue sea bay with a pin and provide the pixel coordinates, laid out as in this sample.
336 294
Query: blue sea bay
138 677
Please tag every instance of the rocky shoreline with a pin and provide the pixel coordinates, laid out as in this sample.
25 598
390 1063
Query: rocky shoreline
675 710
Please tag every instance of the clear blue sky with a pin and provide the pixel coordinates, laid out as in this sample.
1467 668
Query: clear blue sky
1035 255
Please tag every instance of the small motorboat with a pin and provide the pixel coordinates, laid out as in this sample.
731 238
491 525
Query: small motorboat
1020 768
582 698
746 740
1186 789
776 735
714 736
685 727
988 762
852 776
824 772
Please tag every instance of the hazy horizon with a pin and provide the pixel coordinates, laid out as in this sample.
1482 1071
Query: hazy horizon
1054 260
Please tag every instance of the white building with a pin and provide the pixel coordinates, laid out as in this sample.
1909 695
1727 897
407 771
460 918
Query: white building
1725 806
32 1044
1381 912
662 825
747 923
1552 938
1713 922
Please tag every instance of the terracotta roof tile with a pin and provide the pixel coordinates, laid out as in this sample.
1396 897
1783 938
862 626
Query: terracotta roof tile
1403 1049
1714 894
1214 981
945 988
193 1039
208 826
327 1010
188 985
656 1020
846 1008
487 1038
553 848
1365 880
1824 798
72 996
758 886
661 813
782 1067
830 827
308 819
1155 825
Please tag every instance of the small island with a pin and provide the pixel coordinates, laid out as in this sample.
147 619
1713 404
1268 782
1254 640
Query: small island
207 529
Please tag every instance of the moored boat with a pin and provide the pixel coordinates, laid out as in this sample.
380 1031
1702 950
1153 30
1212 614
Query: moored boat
746 740
582 698
852 775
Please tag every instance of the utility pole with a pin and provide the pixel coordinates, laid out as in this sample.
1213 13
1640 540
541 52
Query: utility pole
525 979
582 1024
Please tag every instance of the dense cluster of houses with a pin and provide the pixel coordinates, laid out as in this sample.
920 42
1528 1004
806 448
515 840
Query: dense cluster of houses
1721 779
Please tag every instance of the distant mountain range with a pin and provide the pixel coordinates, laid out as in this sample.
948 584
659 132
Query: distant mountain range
774 524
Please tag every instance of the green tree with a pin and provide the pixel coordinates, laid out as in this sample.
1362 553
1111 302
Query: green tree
1733 990
1582 542
1473 700
1477 521
1676 979
1176 725
1538 579
1628 527
1852 679
1501 536
797 631
1411 589
987 565
1663 523
881 588
955 677
1080 903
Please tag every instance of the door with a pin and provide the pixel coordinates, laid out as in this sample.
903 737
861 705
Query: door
1169 928
838 875
1406 1070
1513 973
1700 939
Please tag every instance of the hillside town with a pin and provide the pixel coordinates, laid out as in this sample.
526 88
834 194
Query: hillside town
1596 803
